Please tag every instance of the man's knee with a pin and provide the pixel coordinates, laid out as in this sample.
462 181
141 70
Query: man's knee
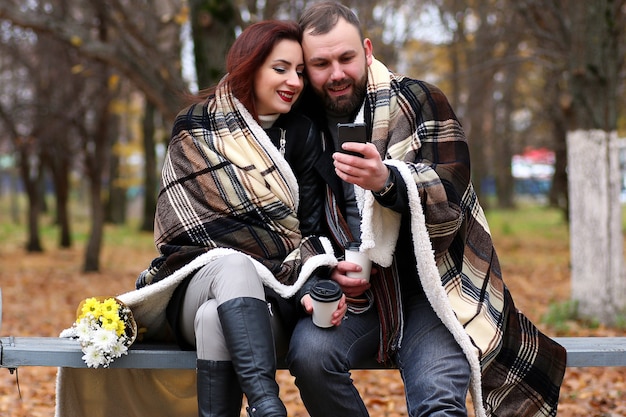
307 353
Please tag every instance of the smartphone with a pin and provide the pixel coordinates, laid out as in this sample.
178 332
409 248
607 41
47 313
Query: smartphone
351 132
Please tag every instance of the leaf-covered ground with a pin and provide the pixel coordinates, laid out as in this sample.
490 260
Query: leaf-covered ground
41 291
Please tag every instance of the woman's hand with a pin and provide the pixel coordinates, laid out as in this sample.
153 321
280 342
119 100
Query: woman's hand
338 314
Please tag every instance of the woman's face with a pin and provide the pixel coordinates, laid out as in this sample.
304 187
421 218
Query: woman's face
279 81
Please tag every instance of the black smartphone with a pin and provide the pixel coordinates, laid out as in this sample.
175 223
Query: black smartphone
351 132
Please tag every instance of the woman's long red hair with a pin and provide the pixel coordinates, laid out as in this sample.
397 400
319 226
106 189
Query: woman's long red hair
248 53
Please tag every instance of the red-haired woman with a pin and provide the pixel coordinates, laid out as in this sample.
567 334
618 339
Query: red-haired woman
229 224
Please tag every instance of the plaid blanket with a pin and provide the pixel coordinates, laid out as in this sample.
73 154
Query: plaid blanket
516 370
225 185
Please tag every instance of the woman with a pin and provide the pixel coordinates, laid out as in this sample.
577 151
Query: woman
228 215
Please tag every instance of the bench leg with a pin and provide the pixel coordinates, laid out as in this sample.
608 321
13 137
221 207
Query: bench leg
248 335
219 394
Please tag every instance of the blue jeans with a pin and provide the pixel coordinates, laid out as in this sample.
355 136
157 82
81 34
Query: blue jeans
433 367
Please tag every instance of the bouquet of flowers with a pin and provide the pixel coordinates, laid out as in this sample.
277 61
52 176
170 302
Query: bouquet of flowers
105 328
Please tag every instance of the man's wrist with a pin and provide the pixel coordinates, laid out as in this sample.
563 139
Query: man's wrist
389 185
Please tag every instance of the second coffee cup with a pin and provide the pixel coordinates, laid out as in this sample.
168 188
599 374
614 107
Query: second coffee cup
354 255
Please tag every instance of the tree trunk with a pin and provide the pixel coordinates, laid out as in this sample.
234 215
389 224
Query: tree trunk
94 243
558 196
99 159
30 170
116 203
150 169
504 136
598 282
213 31
62 188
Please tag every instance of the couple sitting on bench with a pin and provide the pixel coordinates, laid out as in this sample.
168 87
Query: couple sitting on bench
256 203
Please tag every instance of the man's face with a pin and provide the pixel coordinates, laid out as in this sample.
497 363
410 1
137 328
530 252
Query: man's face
336 63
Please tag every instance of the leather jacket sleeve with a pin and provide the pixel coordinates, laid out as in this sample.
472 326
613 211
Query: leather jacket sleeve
311 211
302 150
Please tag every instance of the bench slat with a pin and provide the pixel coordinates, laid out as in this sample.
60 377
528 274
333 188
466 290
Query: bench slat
61 352
594 351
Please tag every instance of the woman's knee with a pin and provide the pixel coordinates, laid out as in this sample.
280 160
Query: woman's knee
228 277
237 262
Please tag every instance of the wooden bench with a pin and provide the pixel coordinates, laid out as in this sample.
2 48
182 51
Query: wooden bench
16 352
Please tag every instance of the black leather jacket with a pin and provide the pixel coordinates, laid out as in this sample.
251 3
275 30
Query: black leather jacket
303 147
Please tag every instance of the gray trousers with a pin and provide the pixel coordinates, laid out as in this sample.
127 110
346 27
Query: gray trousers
223 279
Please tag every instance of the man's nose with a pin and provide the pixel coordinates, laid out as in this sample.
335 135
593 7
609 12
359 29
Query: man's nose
337 72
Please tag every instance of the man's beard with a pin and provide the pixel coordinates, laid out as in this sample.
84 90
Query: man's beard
348 104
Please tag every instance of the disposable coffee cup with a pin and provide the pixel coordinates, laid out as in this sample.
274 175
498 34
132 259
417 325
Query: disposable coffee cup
325 295
354 255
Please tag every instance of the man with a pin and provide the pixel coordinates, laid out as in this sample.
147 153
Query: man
437 306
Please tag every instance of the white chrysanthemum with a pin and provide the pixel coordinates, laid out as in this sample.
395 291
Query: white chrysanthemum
68 333
84 330
119 349
93 356
104 339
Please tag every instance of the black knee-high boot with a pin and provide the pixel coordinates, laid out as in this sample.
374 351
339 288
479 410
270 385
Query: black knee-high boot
248 335
219 394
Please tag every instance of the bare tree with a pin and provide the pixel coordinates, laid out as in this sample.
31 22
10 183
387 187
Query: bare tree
58 87
27 113
136 39
156 71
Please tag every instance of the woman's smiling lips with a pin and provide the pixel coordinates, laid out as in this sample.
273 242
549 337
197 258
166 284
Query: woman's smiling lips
286 96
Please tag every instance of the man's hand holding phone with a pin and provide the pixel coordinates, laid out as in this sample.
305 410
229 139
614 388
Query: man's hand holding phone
358 161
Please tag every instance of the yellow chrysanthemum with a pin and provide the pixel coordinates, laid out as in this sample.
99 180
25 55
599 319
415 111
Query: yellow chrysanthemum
110 306
121 327
110 321
109 316
91 306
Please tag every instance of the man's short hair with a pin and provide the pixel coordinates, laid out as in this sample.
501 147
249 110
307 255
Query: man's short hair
320 18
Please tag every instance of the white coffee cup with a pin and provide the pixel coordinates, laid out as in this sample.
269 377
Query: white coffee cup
325 295
354 255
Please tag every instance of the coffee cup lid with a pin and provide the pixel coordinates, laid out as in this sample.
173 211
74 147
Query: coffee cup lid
326 290
352 245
